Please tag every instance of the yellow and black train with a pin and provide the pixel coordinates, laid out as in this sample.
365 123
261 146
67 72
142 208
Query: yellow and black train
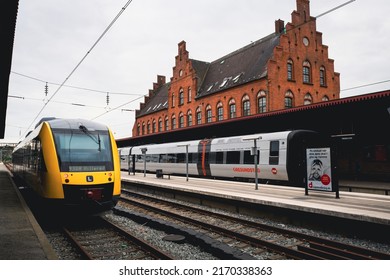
70 162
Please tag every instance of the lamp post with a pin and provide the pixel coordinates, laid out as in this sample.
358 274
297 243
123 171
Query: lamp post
185 145
143 150
254 153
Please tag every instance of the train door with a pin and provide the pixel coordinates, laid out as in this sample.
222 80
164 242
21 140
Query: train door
298 141
274 152
203 163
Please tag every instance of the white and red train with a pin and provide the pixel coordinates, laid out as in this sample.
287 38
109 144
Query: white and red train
281 156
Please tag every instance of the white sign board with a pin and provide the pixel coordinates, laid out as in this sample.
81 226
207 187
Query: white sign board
319 176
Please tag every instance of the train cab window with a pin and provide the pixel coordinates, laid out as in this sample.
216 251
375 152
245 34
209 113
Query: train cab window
248 158
274 153
233 157
83 150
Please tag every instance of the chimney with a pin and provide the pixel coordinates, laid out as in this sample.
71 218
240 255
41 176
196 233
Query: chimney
279 26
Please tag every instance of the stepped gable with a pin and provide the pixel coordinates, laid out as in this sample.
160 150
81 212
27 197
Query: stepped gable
157 99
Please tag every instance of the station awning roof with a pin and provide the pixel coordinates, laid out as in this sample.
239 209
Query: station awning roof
365 115
8 14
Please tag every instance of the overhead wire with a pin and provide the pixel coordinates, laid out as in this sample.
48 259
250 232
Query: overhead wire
320 15
81 61
74 87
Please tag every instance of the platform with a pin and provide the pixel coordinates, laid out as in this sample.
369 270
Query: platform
371 208
21 238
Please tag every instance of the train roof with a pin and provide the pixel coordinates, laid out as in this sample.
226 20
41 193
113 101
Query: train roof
75 124
61 124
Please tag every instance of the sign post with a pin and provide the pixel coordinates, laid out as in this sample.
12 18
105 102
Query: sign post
144 150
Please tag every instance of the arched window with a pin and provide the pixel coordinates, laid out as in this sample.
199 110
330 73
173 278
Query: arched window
160 125
325 98
173 121
148 127
166 124
189 94
246 106
173 100
209 115
189 118
198 116
261 102
288 99
322 76
181 96
232 109
306 72
290 70
181 120
307 99
138 130
154 126
219 111
143 128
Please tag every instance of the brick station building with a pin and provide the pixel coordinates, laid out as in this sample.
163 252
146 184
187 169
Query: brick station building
285 69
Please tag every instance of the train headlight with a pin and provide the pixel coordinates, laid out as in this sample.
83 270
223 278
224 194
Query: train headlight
90 194
66 176
109 176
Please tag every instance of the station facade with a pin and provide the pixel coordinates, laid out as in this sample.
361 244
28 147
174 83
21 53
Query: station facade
289 68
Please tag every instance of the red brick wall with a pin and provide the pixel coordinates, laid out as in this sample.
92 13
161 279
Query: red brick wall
275 85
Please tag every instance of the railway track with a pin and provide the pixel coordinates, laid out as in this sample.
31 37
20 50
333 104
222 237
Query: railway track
102 240
260 240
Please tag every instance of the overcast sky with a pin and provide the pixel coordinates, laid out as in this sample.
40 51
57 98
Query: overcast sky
52 37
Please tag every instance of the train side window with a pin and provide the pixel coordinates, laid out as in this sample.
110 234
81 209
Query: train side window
274 153
233 157
139 158
163 158
189 157
212 156
181 158
248 158
219 157
194 158
154 158
172 158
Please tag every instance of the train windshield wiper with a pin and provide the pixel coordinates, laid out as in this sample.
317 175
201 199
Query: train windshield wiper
90 135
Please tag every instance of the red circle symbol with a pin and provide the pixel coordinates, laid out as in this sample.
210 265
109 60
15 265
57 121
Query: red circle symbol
274 171
325 179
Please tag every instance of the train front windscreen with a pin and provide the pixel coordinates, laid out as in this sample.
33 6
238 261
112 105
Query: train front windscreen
83 151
